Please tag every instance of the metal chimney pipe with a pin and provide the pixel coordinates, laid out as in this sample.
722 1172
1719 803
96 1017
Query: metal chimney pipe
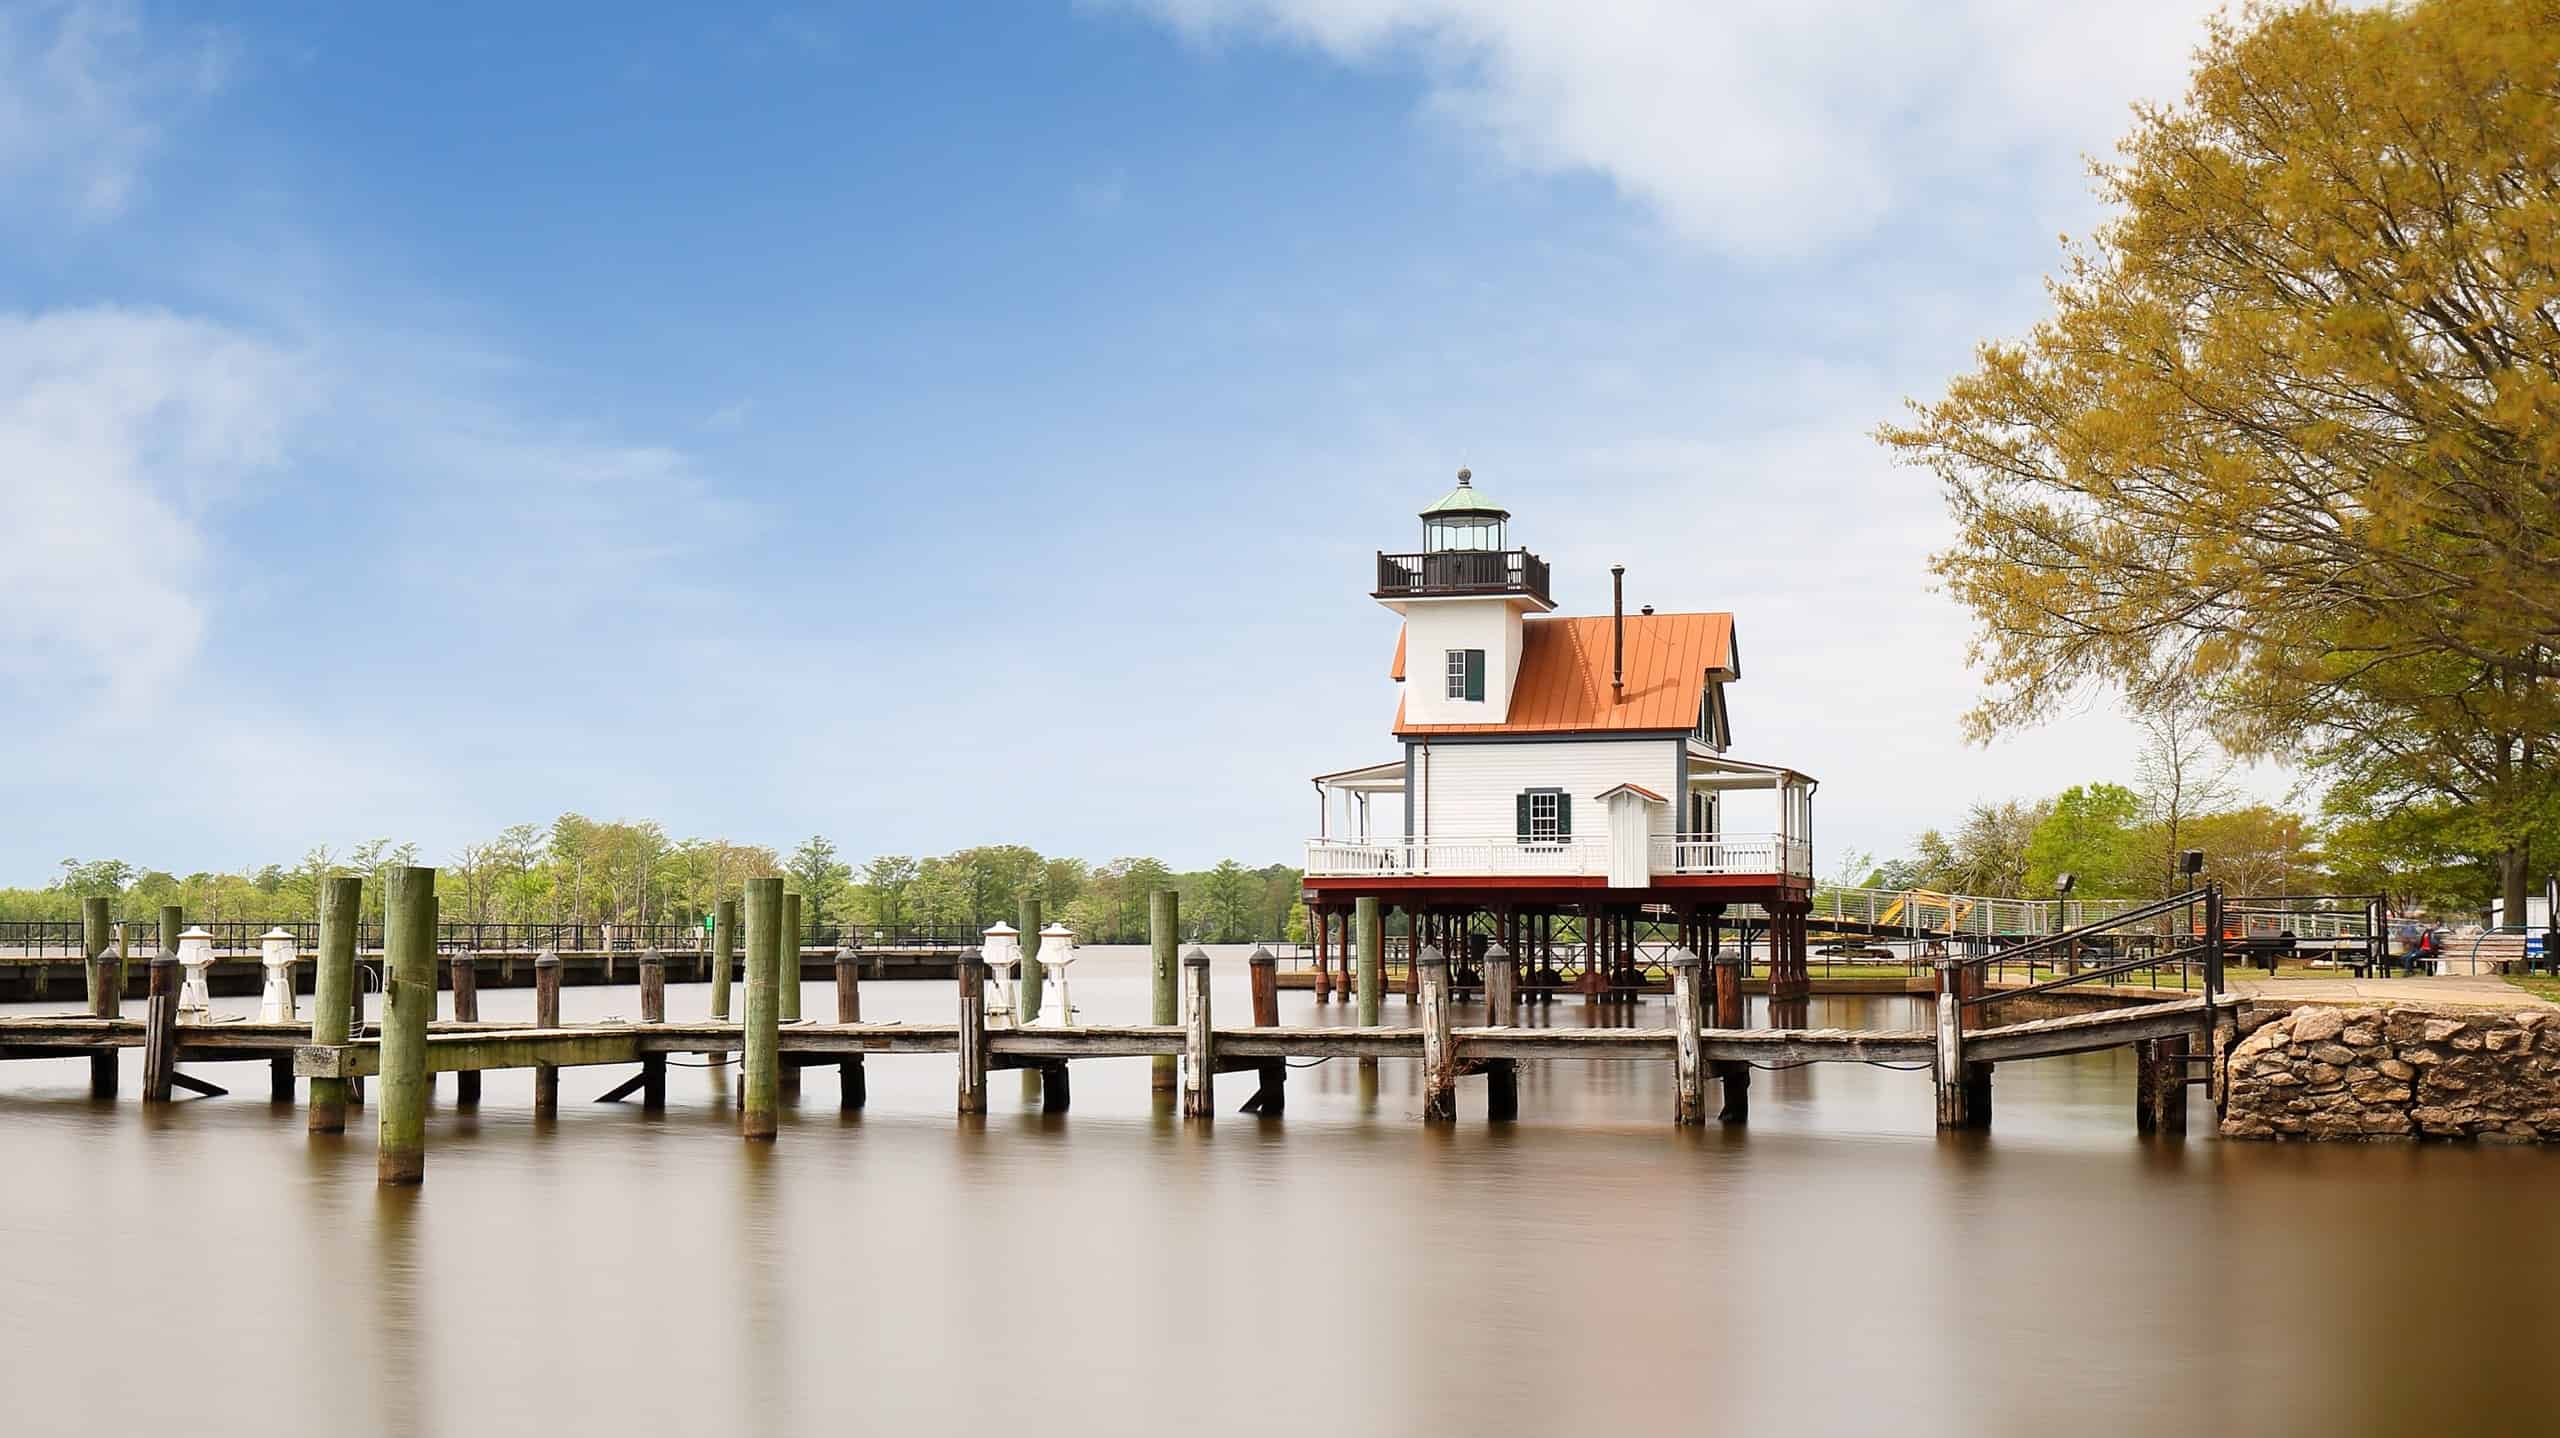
1618 630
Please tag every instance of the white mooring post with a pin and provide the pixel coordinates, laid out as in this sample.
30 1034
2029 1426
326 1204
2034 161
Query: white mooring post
1057 950
195 958
1000 947
276 951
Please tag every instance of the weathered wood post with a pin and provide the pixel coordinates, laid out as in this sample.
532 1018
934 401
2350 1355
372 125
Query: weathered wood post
760 1096
1439 1046
466 1010
786 1068
653 1010
1502 1010
1735 1073
1164 973
408 1002
106 986
160 1013
855 1083
1271 1097
2146 1086
971 973
546 1015
1950 1066
724 956
1035 977
1199 1042
1368 922
1689 1074
332 994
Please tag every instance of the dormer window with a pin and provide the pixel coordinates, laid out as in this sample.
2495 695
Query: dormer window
1466 674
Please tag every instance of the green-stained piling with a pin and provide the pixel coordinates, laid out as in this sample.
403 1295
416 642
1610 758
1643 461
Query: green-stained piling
724 956
1034 977
333 990
759 1107
1368 924
408 1002
790 930
1164 971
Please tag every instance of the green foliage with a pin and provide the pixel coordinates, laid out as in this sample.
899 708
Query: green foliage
2092 832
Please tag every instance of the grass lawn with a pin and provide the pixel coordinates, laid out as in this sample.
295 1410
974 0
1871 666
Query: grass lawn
2541 986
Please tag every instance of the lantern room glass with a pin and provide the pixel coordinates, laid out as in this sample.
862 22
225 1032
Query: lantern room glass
1469 532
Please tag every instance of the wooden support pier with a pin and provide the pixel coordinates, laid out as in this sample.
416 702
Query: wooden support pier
1706 1035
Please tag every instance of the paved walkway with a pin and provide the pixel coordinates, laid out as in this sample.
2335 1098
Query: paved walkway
2459 990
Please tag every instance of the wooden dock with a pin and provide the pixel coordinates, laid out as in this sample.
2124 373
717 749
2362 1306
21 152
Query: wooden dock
1705 1041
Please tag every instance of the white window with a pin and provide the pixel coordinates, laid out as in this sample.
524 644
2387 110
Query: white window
1546 816
1466 674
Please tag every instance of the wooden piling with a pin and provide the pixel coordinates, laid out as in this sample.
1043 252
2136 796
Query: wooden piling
855 1083
2160 1086
1689 1075
1164 969
465 982
1502 1010
546 1015
759 1105
724 956
1439 1045
1271 1097
408 1002
971 973
1735 1073
1949 1070
1199 1044
789 992
653 1010
106 986
1035 976
2172 1067
333 990
1368 924
786 1070
160 1012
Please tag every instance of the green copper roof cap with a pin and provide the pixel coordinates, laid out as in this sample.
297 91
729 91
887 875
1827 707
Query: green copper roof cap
1466 499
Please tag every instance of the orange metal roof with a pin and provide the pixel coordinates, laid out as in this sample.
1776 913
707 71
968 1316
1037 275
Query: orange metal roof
1395 671
1564 676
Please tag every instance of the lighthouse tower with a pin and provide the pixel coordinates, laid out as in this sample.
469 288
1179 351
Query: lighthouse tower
1464 598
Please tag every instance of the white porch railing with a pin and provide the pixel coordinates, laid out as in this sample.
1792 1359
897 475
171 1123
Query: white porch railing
1508 856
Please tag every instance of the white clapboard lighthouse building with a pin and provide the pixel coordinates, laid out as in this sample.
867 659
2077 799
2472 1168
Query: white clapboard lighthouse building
1553 767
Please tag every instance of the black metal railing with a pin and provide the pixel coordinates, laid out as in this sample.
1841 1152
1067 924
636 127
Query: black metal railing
1462 572
2184 934
58 938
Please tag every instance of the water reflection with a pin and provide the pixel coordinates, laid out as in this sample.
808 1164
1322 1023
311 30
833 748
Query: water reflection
1835 1267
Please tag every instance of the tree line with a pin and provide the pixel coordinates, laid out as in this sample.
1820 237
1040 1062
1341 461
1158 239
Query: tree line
578 870
2125 841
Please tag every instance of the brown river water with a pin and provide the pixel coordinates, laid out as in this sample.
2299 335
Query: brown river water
1836 1267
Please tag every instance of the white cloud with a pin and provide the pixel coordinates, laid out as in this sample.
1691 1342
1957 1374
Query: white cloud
84 96
121 431
1758 129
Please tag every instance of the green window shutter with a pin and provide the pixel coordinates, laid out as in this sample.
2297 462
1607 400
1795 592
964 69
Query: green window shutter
1524 818
1564 816
1475 674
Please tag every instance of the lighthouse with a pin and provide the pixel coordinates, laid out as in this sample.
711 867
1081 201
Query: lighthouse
1551 765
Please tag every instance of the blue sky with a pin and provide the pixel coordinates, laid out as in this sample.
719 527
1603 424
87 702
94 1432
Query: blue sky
941 424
